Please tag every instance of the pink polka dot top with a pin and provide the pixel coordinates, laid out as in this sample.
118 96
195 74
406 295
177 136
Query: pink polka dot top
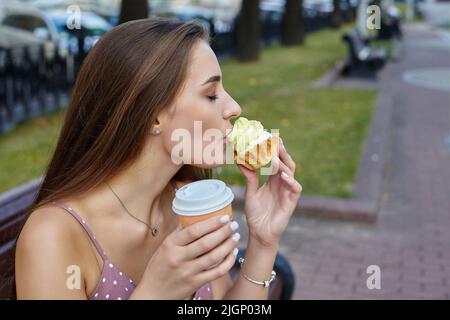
114 284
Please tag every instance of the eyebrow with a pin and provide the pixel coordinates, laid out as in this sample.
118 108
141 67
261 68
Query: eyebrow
212 79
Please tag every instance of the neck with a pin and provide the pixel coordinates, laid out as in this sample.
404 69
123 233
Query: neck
144 189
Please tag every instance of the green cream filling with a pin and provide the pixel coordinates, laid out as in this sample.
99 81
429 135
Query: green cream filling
244 134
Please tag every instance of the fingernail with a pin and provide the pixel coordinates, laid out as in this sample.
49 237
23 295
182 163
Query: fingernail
236 236
234 225
284 174
235 251
225 218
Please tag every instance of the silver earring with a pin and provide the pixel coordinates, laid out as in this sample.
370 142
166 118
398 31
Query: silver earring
157 131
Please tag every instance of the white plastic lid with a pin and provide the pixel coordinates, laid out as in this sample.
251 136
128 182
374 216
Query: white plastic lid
202 197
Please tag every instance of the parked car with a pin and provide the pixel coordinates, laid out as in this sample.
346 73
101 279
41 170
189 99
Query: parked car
52 26
12 37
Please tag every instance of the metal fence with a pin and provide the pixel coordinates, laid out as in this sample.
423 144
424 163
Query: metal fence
34 80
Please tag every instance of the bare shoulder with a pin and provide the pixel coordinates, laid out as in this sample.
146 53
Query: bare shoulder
48 245
49 224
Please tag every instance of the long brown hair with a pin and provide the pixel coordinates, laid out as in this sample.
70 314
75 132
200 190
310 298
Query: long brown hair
132 73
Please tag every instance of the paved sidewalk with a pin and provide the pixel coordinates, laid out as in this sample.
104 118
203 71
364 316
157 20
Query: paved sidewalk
410 241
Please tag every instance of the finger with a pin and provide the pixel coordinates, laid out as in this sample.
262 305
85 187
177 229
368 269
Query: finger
279 166
284 168
217 255
218 271
210 241
286 158
252 179
199 229
274 165
293 184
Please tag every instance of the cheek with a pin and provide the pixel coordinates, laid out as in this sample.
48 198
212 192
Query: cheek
196 145
186 139
200 113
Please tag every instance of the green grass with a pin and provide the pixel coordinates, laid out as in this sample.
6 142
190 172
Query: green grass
26 150
323 129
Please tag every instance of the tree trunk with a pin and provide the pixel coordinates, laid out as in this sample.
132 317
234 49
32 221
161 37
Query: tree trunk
293 23
348 13
336 17
248 31
361 17
133 10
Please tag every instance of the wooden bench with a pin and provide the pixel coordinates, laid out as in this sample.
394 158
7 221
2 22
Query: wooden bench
14 207
361 54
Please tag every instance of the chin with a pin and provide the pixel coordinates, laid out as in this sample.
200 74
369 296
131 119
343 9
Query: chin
209 166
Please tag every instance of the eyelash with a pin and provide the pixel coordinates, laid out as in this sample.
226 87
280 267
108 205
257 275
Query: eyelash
213 98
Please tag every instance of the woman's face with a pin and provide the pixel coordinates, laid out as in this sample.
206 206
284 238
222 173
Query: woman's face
195 130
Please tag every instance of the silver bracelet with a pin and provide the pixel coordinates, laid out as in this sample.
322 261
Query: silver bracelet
264 283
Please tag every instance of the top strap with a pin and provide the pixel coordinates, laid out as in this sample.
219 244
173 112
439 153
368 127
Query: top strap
85 227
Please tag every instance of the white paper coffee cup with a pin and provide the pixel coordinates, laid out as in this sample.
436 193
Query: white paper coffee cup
201 200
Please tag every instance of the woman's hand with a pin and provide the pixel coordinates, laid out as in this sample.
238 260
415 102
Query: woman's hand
188 258
269 208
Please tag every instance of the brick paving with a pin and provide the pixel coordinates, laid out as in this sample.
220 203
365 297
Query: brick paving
410 241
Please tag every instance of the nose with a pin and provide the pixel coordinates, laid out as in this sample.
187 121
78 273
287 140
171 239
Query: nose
232 110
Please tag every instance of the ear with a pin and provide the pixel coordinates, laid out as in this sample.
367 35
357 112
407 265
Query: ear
162 118
157 127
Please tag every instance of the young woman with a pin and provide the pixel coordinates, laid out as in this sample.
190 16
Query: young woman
102 226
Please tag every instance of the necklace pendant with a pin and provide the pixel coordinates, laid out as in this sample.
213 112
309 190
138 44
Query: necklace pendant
154 232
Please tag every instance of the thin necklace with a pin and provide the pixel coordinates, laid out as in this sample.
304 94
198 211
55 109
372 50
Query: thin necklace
154 230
